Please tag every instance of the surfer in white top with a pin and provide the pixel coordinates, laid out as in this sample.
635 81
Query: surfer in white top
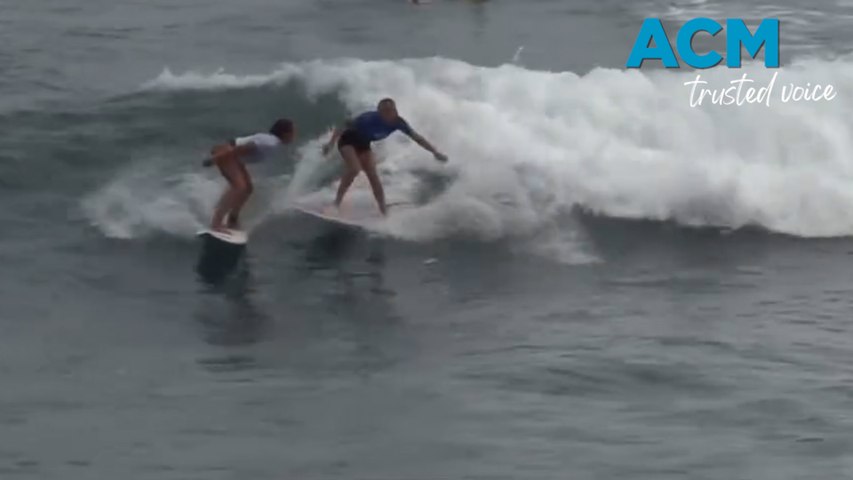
231 158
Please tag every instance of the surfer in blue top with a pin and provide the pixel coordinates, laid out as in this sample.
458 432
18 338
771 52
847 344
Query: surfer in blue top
354 140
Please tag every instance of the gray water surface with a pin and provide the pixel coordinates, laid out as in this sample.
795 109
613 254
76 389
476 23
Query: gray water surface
330 353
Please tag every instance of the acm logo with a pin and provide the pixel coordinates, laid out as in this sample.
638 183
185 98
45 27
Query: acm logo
737 36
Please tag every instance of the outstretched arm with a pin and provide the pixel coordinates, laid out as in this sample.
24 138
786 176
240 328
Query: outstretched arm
420 140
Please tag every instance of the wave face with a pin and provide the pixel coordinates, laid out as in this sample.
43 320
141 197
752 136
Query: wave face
527 147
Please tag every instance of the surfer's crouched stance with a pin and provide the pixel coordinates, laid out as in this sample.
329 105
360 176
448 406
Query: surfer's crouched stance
231 159
354 144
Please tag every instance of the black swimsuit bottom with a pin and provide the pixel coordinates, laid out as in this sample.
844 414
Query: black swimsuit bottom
354 139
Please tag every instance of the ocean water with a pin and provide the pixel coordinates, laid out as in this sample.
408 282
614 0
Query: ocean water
603 282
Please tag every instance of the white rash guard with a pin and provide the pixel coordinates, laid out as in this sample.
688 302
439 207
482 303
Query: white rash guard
265 145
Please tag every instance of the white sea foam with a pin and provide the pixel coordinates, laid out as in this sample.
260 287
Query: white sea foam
139 201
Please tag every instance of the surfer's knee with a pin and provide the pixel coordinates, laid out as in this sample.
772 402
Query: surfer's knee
350 169
243 187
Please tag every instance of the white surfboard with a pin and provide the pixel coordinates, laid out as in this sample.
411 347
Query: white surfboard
352 215
236 237
358 210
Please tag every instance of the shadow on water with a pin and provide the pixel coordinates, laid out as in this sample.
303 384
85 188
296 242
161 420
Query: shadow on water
346 271
217 260
351 269
227 313
339 246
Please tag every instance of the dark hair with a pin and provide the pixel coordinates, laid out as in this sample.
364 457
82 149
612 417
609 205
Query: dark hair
281 127
386 100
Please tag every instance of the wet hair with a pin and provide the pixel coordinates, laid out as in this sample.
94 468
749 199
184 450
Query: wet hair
385 101
282 127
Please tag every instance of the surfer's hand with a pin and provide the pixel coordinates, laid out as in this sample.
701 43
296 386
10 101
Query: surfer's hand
440 157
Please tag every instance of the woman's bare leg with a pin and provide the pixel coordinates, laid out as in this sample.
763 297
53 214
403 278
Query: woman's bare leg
369 166
222 208
351 166
238 184
244 189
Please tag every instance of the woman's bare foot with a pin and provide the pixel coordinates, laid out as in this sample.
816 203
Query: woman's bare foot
334 210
